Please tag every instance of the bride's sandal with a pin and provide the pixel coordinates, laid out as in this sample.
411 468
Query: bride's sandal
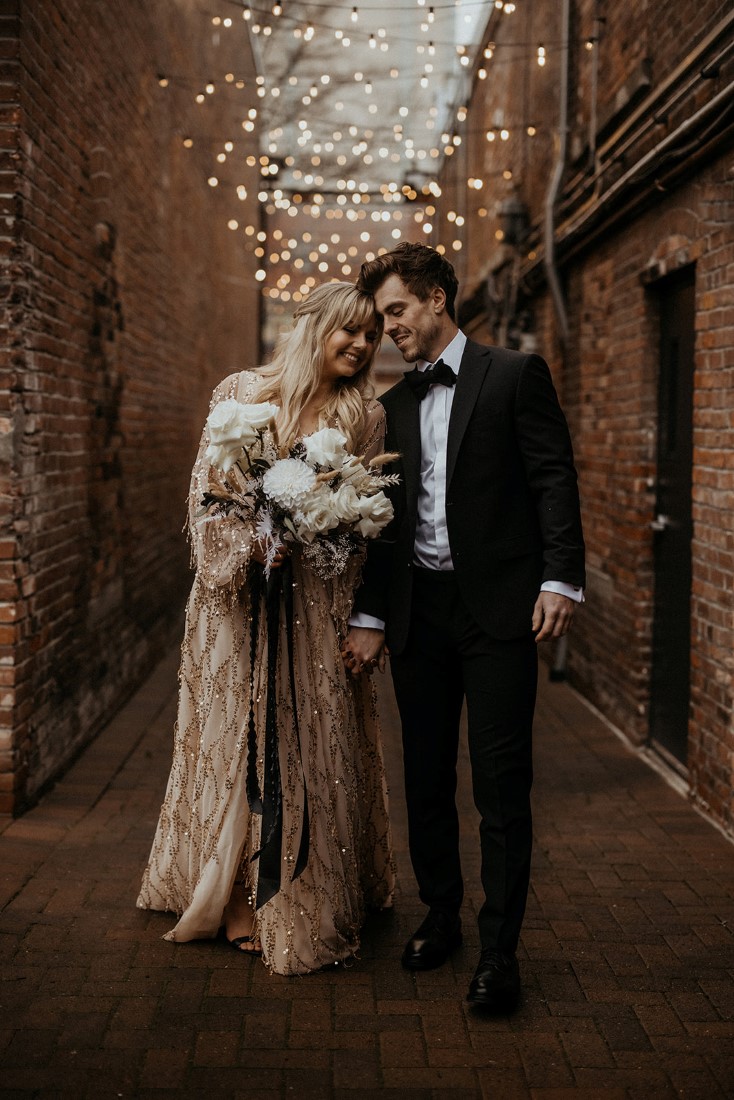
239 911
239 941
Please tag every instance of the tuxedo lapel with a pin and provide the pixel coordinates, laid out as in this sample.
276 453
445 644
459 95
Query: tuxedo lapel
474 365
405 437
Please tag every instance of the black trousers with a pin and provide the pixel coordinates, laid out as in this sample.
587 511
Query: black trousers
448 658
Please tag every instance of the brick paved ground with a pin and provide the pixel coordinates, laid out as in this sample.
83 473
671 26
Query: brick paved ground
627 953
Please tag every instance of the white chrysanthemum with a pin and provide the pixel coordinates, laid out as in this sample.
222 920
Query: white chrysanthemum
288 482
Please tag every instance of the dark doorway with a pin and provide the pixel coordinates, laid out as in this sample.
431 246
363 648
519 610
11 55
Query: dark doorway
673 523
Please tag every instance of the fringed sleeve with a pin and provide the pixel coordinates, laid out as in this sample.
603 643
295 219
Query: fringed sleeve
220 545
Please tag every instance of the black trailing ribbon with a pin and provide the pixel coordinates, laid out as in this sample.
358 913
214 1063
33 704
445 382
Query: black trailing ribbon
268 802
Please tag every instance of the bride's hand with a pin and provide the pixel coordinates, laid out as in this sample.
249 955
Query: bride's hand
258 554
364 650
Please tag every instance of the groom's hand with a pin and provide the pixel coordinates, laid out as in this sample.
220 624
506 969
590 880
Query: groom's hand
552 616
363 650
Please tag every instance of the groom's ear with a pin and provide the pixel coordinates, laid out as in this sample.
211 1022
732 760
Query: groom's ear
437 299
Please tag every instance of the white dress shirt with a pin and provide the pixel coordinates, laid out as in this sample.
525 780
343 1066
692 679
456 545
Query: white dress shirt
431 533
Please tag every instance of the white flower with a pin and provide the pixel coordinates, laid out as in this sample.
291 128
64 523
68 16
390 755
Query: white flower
316 515
345 503
232 426
288 482
354 472
376 512
326 447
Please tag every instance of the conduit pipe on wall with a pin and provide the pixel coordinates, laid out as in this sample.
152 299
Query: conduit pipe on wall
555 184
718 107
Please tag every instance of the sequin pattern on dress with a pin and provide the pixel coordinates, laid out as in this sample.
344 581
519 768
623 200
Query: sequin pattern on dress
206 836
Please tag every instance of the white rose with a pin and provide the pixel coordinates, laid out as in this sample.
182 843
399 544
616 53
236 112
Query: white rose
288 482
376 512
355 474
232 426
316 515
326 447
345 503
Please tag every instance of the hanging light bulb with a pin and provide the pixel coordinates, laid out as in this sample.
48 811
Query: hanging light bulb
541 55
355 15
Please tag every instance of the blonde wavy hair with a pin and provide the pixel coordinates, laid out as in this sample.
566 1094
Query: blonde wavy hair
293 376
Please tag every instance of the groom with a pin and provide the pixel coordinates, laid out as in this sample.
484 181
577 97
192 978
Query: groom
484 558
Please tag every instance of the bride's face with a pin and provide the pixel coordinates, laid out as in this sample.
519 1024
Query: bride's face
348 351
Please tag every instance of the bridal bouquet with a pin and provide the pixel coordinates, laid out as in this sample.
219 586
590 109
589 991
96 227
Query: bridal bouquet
317 494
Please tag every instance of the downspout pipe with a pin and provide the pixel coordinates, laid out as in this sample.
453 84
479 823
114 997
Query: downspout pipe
551 270
558 670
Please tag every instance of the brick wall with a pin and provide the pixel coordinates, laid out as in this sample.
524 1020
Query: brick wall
635 199
125 297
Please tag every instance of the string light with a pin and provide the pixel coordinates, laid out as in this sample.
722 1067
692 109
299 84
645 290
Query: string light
389 146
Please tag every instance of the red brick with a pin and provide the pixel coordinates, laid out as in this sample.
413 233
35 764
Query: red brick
607 378
105 429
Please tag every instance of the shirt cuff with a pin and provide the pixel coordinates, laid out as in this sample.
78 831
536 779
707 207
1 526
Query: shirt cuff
573 591
362 619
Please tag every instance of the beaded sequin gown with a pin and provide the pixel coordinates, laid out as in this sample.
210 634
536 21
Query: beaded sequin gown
206 835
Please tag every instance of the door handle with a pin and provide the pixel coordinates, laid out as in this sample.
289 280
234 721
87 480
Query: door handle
661 522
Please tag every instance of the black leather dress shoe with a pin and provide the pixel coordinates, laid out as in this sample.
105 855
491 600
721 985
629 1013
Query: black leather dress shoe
433 942
495 986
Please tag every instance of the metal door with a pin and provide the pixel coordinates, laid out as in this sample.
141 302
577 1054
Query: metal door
672 526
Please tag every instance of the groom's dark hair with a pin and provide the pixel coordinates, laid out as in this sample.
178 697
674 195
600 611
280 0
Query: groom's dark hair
420 267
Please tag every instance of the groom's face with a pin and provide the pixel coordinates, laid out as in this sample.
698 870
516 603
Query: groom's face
414 326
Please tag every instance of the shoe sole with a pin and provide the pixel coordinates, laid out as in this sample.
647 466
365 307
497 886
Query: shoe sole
498 1005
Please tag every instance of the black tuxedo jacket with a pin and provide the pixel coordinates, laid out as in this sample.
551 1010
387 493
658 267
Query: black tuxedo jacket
512 504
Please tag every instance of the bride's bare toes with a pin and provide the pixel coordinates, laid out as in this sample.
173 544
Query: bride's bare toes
247 945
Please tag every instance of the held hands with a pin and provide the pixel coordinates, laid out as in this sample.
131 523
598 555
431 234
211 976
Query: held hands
552 616
364 650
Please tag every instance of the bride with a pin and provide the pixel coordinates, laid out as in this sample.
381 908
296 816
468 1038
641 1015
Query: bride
205 863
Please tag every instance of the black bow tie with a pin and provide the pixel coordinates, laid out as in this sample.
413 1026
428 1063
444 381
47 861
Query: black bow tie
439 374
